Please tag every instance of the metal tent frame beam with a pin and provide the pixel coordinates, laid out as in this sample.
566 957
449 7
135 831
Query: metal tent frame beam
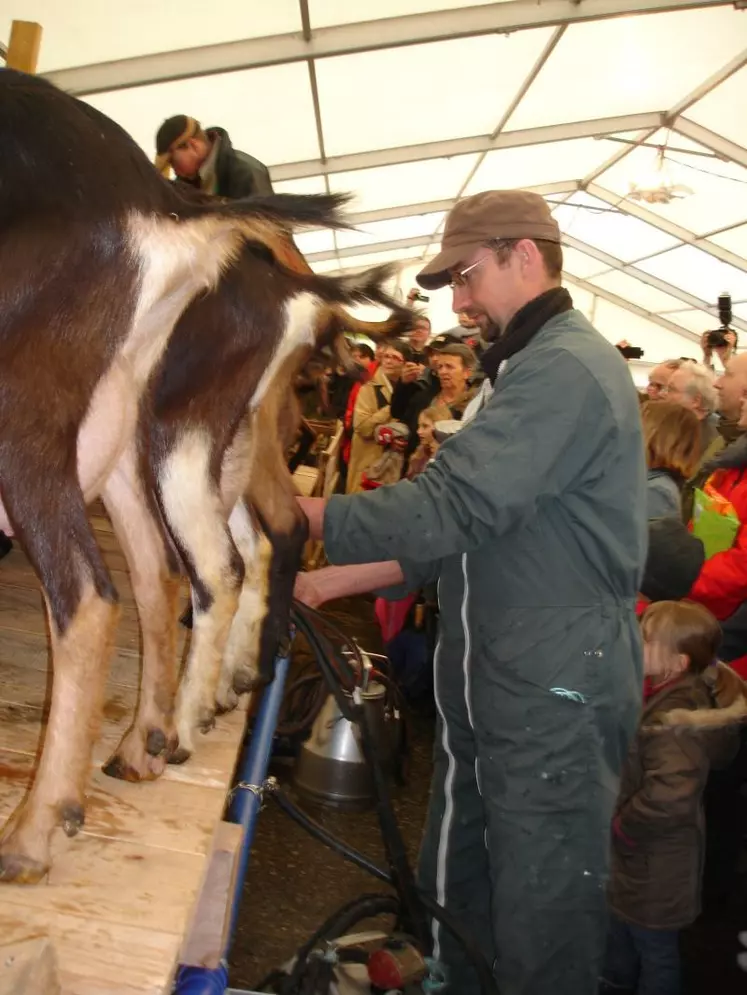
435 206
710 140
633 308
617 265
683 234
465 146
610 262
346 39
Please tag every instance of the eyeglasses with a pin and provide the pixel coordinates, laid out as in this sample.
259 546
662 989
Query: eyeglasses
459 279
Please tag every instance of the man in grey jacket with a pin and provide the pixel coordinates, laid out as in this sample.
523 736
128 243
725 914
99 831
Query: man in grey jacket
533 519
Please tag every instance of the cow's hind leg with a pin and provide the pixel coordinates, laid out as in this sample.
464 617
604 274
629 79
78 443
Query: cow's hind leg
146 746
192 507
272 573
240 670
81 605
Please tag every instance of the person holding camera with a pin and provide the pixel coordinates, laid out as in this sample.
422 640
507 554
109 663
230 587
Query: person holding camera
722 341
724 347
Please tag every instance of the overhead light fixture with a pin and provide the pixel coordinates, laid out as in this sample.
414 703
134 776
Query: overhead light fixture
657 185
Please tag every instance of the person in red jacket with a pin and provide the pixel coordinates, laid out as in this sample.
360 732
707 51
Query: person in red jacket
722 583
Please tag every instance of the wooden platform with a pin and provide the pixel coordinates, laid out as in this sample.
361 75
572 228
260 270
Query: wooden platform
119 899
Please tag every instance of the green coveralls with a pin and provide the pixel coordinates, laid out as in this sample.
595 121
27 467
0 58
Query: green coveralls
533 519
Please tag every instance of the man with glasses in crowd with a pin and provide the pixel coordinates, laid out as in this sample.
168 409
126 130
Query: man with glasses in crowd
532 518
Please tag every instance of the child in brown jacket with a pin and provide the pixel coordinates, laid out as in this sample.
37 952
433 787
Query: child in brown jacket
689 724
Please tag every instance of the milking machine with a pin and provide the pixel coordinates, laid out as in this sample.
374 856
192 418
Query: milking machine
353 739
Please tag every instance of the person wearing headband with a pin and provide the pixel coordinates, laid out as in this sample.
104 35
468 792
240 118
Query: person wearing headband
206 159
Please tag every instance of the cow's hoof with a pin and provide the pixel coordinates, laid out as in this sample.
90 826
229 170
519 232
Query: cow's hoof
180 755
227 702
72 817
116 767
206 722
15 868
156 743
247 681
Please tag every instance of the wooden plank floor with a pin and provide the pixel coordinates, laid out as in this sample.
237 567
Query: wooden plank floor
119 896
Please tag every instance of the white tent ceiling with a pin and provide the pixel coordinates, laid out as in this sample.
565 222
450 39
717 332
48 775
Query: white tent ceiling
410 104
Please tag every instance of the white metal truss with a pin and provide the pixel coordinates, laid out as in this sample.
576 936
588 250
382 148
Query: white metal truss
345 39
716 79
676 231
435 206
308 45
633 308
608 261
710 140
464 146
614 264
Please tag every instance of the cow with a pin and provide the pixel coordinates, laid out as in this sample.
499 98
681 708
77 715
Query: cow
99 258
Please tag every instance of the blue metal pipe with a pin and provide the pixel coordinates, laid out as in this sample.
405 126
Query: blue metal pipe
243 810
247 799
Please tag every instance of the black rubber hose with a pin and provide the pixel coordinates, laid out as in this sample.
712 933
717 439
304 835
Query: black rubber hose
399 865
292 725
360 860
318 831
402 876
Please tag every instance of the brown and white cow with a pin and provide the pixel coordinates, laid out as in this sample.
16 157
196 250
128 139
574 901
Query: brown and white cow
99 257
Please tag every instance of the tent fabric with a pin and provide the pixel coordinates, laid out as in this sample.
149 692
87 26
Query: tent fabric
465 98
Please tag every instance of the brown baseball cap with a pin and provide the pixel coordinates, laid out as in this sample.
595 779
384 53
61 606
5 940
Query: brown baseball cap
485 216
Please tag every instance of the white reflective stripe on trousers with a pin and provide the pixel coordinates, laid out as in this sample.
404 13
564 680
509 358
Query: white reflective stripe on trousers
466 666
443 841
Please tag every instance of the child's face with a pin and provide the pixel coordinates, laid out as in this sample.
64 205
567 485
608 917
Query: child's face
660 662
425 430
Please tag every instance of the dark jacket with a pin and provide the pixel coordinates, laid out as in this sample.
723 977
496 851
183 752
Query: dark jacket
662 495
687 728
236 174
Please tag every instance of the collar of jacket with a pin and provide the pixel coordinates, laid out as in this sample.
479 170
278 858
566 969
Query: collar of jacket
727 695
524 326
733 457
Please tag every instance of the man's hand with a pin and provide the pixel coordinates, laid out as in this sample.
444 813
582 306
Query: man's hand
725 352
411 372
707 350
313 508
306 590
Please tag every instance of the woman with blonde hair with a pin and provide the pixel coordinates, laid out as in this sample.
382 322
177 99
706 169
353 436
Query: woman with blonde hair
671 435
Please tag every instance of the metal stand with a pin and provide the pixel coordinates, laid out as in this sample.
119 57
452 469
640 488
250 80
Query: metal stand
246 801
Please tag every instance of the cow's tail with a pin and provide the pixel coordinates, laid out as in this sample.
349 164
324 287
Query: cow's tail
285 209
